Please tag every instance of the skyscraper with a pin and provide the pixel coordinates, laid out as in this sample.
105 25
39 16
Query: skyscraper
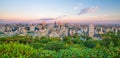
32 28
91 30
55 24
43 24
59 25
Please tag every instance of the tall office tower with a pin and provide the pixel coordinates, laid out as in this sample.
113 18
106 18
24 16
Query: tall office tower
32 28
116 31
43 24
40 27
55 24
3 28
8 29
101 30
91 30
64 31
59 25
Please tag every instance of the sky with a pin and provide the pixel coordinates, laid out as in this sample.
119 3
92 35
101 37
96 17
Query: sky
76 11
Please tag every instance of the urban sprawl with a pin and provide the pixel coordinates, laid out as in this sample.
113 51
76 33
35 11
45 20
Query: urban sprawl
57 29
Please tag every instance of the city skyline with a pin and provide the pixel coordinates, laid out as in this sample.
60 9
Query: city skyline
76 11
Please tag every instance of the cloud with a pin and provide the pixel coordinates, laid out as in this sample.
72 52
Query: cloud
83 11
53 18
77 7
61 17
47 19
88 10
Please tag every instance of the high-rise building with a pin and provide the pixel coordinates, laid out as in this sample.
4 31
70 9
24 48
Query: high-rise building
59 25
55 24
3 29
91 30
43 24
101 30
72 32
116 31
32 28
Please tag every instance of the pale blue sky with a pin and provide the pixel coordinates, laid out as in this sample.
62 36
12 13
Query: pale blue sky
36 9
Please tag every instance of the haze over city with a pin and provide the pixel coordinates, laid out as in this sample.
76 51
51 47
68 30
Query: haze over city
74 11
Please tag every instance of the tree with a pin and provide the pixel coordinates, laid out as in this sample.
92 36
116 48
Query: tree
111 36
44 39
90 43
66 38
54 45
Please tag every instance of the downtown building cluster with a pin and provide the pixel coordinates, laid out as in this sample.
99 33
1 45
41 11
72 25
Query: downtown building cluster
57 29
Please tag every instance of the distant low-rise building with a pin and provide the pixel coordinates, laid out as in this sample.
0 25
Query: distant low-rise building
54 34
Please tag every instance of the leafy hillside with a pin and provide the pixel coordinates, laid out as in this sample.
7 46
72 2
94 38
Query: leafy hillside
69 47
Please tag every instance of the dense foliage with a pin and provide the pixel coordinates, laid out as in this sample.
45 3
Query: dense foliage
69 47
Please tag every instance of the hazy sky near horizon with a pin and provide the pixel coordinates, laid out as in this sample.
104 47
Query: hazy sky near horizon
63 10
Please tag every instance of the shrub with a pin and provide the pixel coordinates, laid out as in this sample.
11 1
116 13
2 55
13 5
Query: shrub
66 38
15 50
77 41
54 45
2 40
89 43
36 45
44 39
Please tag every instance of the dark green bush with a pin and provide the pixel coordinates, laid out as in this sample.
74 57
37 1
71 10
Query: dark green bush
44 39
77 41
90 44
54 45
36 45
2 40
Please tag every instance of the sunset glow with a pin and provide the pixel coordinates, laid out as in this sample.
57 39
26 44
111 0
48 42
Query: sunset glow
76 11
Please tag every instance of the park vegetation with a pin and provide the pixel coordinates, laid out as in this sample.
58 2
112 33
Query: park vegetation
69 47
